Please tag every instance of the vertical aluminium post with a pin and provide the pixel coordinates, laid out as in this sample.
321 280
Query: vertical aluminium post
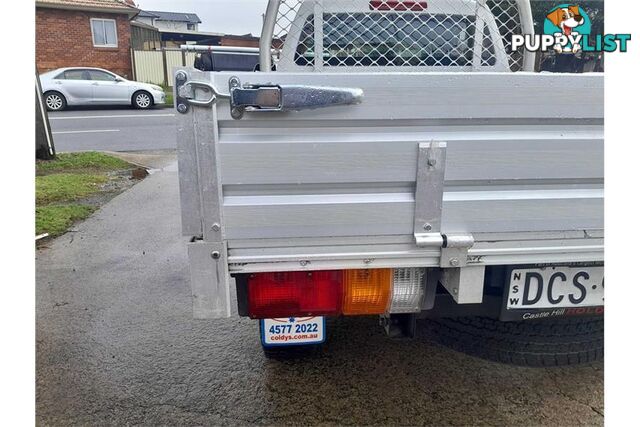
201 200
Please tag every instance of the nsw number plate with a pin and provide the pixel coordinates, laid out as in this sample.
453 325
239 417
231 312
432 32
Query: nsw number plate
553 291
292 331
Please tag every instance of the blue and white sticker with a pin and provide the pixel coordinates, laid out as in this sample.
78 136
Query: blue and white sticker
292 331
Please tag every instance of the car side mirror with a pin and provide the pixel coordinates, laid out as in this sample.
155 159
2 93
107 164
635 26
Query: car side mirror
119 80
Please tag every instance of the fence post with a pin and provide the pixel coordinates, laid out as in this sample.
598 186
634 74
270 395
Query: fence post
133 64
164 67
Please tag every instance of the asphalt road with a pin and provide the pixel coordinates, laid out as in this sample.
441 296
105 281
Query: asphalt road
116 345
115 129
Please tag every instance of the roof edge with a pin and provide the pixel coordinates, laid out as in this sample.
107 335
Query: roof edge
159 16
125 10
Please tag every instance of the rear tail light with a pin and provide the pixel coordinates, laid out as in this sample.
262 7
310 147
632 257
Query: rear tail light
408 290
297 293
366 291
396 5
349 292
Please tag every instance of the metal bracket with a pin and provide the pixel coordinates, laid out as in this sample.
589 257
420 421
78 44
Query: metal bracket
209 280
188 93
432 158
466 285
455 249
399 325
464 282
182 104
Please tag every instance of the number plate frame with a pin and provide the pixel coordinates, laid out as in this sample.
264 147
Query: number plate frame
520 314
288 336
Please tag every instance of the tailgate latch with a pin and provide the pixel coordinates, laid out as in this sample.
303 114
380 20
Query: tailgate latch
274 97
263 97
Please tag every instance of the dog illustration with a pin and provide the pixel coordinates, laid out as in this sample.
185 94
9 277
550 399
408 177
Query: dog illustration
566 19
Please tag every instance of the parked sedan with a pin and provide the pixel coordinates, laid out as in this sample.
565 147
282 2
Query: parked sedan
95 86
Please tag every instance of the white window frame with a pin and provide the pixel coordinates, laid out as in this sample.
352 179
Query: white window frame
93 36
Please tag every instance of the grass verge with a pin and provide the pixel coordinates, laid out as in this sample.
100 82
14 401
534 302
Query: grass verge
76 162
55 220
71 187
67 187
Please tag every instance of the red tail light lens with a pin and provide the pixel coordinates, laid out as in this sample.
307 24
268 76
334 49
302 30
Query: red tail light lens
297 293
414 6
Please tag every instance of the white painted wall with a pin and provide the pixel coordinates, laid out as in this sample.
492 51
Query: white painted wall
144 20
172 25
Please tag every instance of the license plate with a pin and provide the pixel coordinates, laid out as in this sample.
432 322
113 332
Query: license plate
292 331
555 288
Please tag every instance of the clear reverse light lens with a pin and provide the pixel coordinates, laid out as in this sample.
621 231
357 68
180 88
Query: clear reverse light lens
408 290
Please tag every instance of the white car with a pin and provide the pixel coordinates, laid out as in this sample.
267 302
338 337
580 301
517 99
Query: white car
95 86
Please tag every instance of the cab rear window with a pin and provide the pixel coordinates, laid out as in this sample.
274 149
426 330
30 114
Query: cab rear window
390 39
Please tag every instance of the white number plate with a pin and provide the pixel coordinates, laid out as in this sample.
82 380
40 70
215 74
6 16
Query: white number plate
556 287
292 331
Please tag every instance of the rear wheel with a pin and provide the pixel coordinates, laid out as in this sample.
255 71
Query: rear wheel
549 342
142 100
55 101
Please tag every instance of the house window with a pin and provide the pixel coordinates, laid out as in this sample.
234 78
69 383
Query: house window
104 32
191 27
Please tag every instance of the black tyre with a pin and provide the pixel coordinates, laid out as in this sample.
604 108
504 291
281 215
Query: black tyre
55 101
142 100
549 342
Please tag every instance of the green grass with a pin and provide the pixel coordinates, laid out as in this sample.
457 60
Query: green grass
63 186
67 187
169 99
88 161
56 219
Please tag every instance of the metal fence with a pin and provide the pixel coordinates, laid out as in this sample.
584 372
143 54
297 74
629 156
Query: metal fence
155 66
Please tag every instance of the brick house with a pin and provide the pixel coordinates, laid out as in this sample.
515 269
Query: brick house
84 33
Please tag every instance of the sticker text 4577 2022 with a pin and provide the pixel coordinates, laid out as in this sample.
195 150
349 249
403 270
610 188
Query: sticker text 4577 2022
292 331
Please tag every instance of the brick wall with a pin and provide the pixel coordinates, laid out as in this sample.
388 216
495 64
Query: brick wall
63 39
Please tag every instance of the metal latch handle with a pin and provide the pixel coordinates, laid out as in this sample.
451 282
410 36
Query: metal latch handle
265 97
273 97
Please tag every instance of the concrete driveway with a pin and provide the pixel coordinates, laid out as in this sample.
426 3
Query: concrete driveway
116 345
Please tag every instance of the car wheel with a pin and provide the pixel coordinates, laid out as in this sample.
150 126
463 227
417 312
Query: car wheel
55 101
545 342
142 100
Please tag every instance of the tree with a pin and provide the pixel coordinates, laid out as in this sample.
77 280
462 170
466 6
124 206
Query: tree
45 149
